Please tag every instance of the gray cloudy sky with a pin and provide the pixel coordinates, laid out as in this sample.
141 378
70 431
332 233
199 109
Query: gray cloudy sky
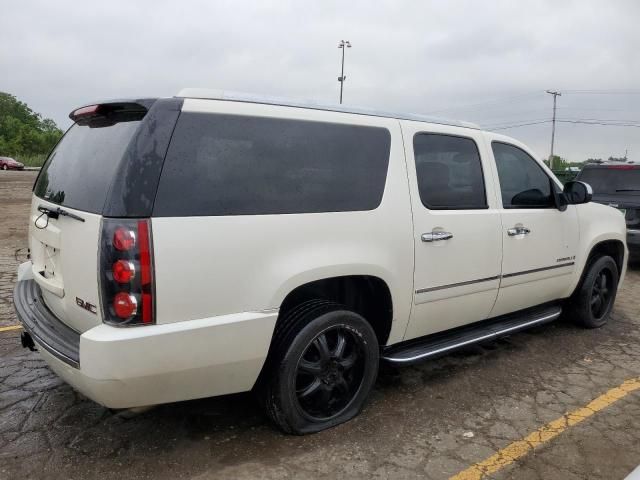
487 62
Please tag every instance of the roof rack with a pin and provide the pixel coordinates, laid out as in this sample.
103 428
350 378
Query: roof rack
212 94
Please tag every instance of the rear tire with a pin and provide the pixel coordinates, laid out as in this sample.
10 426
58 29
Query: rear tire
591 304
321 367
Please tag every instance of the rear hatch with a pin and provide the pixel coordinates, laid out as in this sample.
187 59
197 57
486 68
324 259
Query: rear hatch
67 206
617 186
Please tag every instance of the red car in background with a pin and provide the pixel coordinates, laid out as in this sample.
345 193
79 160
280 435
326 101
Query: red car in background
7 163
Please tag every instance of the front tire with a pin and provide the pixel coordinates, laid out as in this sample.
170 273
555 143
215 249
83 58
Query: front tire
323 364
591 305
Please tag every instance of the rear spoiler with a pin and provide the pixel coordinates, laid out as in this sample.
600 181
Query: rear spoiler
109 113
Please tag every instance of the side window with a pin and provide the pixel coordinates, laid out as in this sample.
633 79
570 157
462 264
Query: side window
449 172
523 183
220 164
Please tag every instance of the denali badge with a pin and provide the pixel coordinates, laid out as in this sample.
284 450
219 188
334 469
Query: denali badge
86 305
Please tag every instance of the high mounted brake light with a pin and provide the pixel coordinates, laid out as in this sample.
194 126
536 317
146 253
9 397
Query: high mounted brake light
88 111
109 113
126 272
623 167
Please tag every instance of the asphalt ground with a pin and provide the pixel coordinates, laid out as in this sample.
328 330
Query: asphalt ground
557 402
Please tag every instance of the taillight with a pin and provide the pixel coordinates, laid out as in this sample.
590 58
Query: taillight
123 271
126 272
125 305
124 239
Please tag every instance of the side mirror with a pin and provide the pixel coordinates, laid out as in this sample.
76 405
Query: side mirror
576 192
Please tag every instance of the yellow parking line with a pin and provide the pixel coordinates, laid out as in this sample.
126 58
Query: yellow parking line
10 327
520 448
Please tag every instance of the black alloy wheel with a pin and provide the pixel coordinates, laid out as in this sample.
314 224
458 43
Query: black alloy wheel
322 364
601 295
592 302
329 373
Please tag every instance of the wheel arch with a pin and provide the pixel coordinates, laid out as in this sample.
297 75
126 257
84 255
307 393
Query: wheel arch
612 247
366 294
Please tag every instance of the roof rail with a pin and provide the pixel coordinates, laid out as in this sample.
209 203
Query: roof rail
212 94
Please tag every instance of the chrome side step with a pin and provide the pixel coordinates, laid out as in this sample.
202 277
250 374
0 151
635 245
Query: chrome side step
414 351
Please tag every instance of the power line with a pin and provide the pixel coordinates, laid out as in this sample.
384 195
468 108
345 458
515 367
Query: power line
472 106
606 123
520 125
491 126
637 125
502 100
510 122
603 92
623 120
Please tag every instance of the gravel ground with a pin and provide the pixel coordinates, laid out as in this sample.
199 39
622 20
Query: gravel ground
429 421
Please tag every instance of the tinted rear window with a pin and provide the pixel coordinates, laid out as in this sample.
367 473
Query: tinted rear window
613 181
235 165
449 172
80 169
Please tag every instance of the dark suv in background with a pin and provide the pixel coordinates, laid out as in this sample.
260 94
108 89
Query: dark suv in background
618 185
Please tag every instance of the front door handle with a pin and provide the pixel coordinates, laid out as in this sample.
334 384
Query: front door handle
512 232
436 236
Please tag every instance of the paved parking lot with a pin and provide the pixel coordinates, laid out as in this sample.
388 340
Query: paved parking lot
499 409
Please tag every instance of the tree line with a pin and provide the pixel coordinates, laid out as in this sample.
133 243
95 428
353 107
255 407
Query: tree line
24 134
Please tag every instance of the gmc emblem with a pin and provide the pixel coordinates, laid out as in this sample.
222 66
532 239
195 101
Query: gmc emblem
86 305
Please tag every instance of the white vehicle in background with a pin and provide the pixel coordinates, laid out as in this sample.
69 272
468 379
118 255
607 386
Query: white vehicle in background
209 244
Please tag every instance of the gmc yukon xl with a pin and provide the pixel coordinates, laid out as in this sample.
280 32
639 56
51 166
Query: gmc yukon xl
210 243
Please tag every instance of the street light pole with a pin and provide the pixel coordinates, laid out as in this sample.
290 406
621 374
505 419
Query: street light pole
553 125
343 44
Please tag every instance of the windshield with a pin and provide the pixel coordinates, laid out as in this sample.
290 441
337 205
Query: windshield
611 181
80 169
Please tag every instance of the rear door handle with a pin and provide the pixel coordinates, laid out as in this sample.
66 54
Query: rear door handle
512 232
436 236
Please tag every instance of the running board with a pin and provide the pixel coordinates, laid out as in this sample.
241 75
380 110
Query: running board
414 351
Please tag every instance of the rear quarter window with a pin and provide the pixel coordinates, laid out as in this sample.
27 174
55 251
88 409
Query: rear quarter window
237 165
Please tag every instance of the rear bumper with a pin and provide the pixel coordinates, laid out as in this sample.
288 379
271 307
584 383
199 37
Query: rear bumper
139 366
45 328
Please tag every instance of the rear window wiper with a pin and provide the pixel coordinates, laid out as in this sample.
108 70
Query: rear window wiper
55 213
628 190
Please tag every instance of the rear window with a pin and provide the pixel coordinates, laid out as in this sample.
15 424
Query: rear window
612 181
80 169
236 165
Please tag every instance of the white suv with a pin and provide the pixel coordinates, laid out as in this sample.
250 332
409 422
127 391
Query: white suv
208 244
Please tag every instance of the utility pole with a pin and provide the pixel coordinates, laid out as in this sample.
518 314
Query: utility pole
553 125
343 44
